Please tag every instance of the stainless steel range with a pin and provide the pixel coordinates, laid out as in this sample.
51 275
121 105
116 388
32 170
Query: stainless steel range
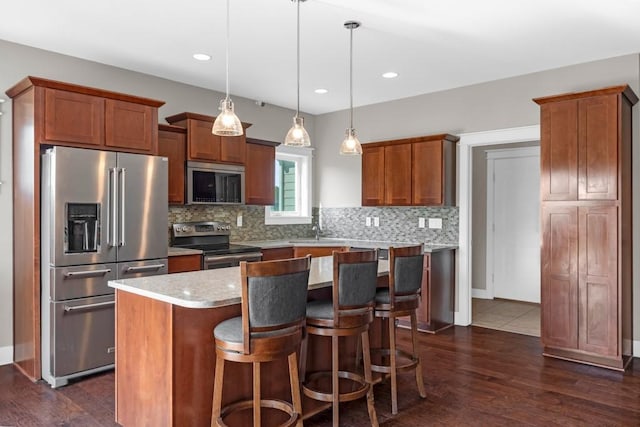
212 238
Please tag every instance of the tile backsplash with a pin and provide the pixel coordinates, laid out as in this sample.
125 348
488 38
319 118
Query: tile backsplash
395 223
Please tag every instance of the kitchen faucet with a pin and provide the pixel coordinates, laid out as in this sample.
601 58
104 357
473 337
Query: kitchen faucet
316 228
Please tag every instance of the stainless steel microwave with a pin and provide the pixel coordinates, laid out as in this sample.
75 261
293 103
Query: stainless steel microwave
215 183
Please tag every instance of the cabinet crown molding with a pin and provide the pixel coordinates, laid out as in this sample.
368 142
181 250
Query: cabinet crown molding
31 81
197 116
611 90
439 137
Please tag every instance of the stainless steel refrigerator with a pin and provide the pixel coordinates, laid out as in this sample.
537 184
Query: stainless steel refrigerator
104 217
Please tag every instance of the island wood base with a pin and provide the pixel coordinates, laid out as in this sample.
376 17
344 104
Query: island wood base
165 363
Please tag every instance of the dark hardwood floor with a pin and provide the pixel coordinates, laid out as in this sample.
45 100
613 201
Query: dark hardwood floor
473 377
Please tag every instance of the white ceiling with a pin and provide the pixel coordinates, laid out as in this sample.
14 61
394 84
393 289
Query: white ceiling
433 45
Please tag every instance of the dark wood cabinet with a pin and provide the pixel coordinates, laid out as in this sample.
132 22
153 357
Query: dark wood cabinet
317 251
90 118
271 254
184 263
397 175
130 126
586 266
372 176
48 112
172 143
260 172
204 146
414 171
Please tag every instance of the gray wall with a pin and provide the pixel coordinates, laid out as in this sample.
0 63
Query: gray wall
269 122
488 106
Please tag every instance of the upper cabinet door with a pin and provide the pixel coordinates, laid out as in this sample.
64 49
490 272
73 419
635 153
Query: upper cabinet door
372 176
173 145
73 117
598 148
130 126
397 171
559 151
260 175
203 145
233 149
427 170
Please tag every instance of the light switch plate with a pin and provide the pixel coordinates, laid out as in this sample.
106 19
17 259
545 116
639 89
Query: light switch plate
239 220
435 222
368 221
376 221
421 223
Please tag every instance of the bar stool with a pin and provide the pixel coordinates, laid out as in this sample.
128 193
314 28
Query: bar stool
348 313
402 298
274 300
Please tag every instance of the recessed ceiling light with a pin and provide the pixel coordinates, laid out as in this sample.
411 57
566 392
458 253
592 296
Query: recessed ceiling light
321 91
2 100
202 56
390 75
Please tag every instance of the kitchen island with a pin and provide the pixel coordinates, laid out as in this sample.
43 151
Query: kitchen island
165 355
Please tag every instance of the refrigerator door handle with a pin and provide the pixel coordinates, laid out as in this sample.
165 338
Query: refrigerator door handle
68 308
113 209
123 176
144 268
88 273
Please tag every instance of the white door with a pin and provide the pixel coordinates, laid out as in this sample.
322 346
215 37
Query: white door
513 223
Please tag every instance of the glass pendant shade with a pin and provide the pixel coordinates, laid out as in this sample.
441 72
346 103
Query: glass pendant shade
227 123
350 144
297 135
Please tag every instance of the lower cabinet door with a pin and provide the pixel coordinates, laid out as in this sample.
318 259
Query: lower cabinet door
559 292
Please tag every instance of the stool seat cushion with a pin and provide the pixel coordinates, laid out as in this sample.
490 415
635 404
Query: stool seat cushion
382 297
230 330
320 309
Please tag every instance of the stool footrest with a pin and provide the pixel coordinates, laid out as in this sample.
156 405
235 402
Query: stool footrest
316 394
244 405
407 360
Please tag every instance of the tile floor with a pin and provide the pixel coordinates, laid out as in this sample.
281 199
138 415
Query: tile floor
506 315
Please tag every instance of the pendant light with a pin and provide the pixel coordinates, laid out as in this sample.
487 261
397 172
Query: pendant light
297 135
350 144
227 123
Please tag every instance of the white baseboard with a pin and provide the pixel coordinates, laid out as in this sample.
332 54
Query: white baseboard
480 293
6 355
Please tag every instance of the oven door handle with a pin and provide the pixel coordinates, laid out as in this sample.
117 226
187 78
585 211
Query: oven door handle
68 308
239 257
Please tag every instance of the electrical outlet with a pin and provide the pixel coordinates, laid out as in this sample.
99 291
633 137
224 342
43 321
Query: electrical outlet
435 222
421 223
376 221
368 221
239 220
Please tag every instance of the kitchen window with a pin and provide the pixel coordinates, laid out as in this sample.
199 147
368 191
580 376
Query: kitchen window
292 187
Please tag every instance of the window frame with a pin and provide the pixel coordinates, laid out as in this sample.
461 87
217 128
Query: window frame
303 157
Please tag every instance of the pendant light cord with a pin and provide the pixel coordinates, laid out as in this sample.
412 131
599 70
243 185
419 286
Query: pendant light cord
351 77
298 58
227 52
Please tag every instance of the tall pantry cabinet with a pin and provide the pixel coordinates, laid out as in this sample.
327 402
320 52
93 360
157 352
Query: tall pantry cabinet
585 190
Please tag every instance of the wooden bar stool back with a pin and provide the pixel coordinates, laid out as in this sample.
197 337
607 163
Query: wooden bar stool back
402 298
274 300
348 313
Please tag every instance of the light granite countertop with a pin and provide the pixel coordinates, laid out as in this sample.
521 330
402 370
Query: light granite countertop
173 251
215 288
369 244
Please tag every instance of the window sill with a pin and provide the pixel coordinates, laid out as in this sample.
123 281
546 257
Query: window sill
284 220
